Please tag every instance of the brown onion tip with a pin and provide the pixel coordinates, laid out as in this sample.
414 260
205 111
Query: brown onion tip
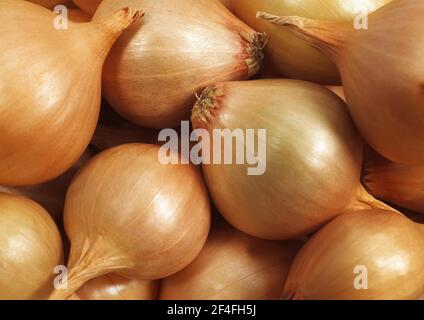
256 55
203 110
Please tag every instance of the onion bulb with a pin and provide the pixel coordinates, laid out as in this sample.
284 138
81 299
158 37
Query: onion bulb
127 213
30 249
286 53
400 184
233 266
89 6
313 157
372 254
154 70
44 128
387 109
114 287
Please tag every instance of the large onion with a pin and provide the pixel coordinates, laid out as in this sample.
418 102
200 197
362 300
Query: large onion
313 156
30 249
114 287
387 106
286 53
373 254
45 129
233 266
154 70
127 213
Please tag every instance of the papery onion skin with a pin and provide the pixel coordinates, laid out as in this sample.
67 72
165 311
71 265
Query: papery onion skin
389 245
44 129
286 53
400 184
30 249
314 157
233 266
114 287
388 110
89 6
127 187
154 70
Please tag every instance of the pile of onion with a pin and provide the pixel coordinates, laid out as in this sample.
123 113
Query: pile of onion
372 254
285 53
156 67
233 266
30 249
387 105
127 187
313 157
45 129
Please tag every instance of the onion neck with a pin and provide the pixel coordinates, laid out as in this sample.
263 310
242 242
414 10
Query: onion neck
204 111
90 261
109 28
326 36
365 201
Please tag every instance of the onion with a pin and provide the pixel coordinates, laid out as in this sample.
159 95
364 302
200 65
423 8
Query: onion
313 164
285 52
126 187
44 129
50 4
89 6
30 249
387 109
114 287
400 184
233 266
154 70
374 249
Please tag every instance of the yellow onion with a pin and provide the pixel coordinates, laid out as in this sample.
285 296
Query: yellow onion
388 110
44 128
154 70
127 213
371 254
233 266
30 249
400 184
313 157
286 53
50 4
89 6
114 287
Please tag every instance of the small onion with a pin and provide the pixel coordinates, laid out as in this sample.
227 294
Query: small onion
127 213
114 287
285 52
154 70
372 254
45 129
382 70
313 157
233 266
30 249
